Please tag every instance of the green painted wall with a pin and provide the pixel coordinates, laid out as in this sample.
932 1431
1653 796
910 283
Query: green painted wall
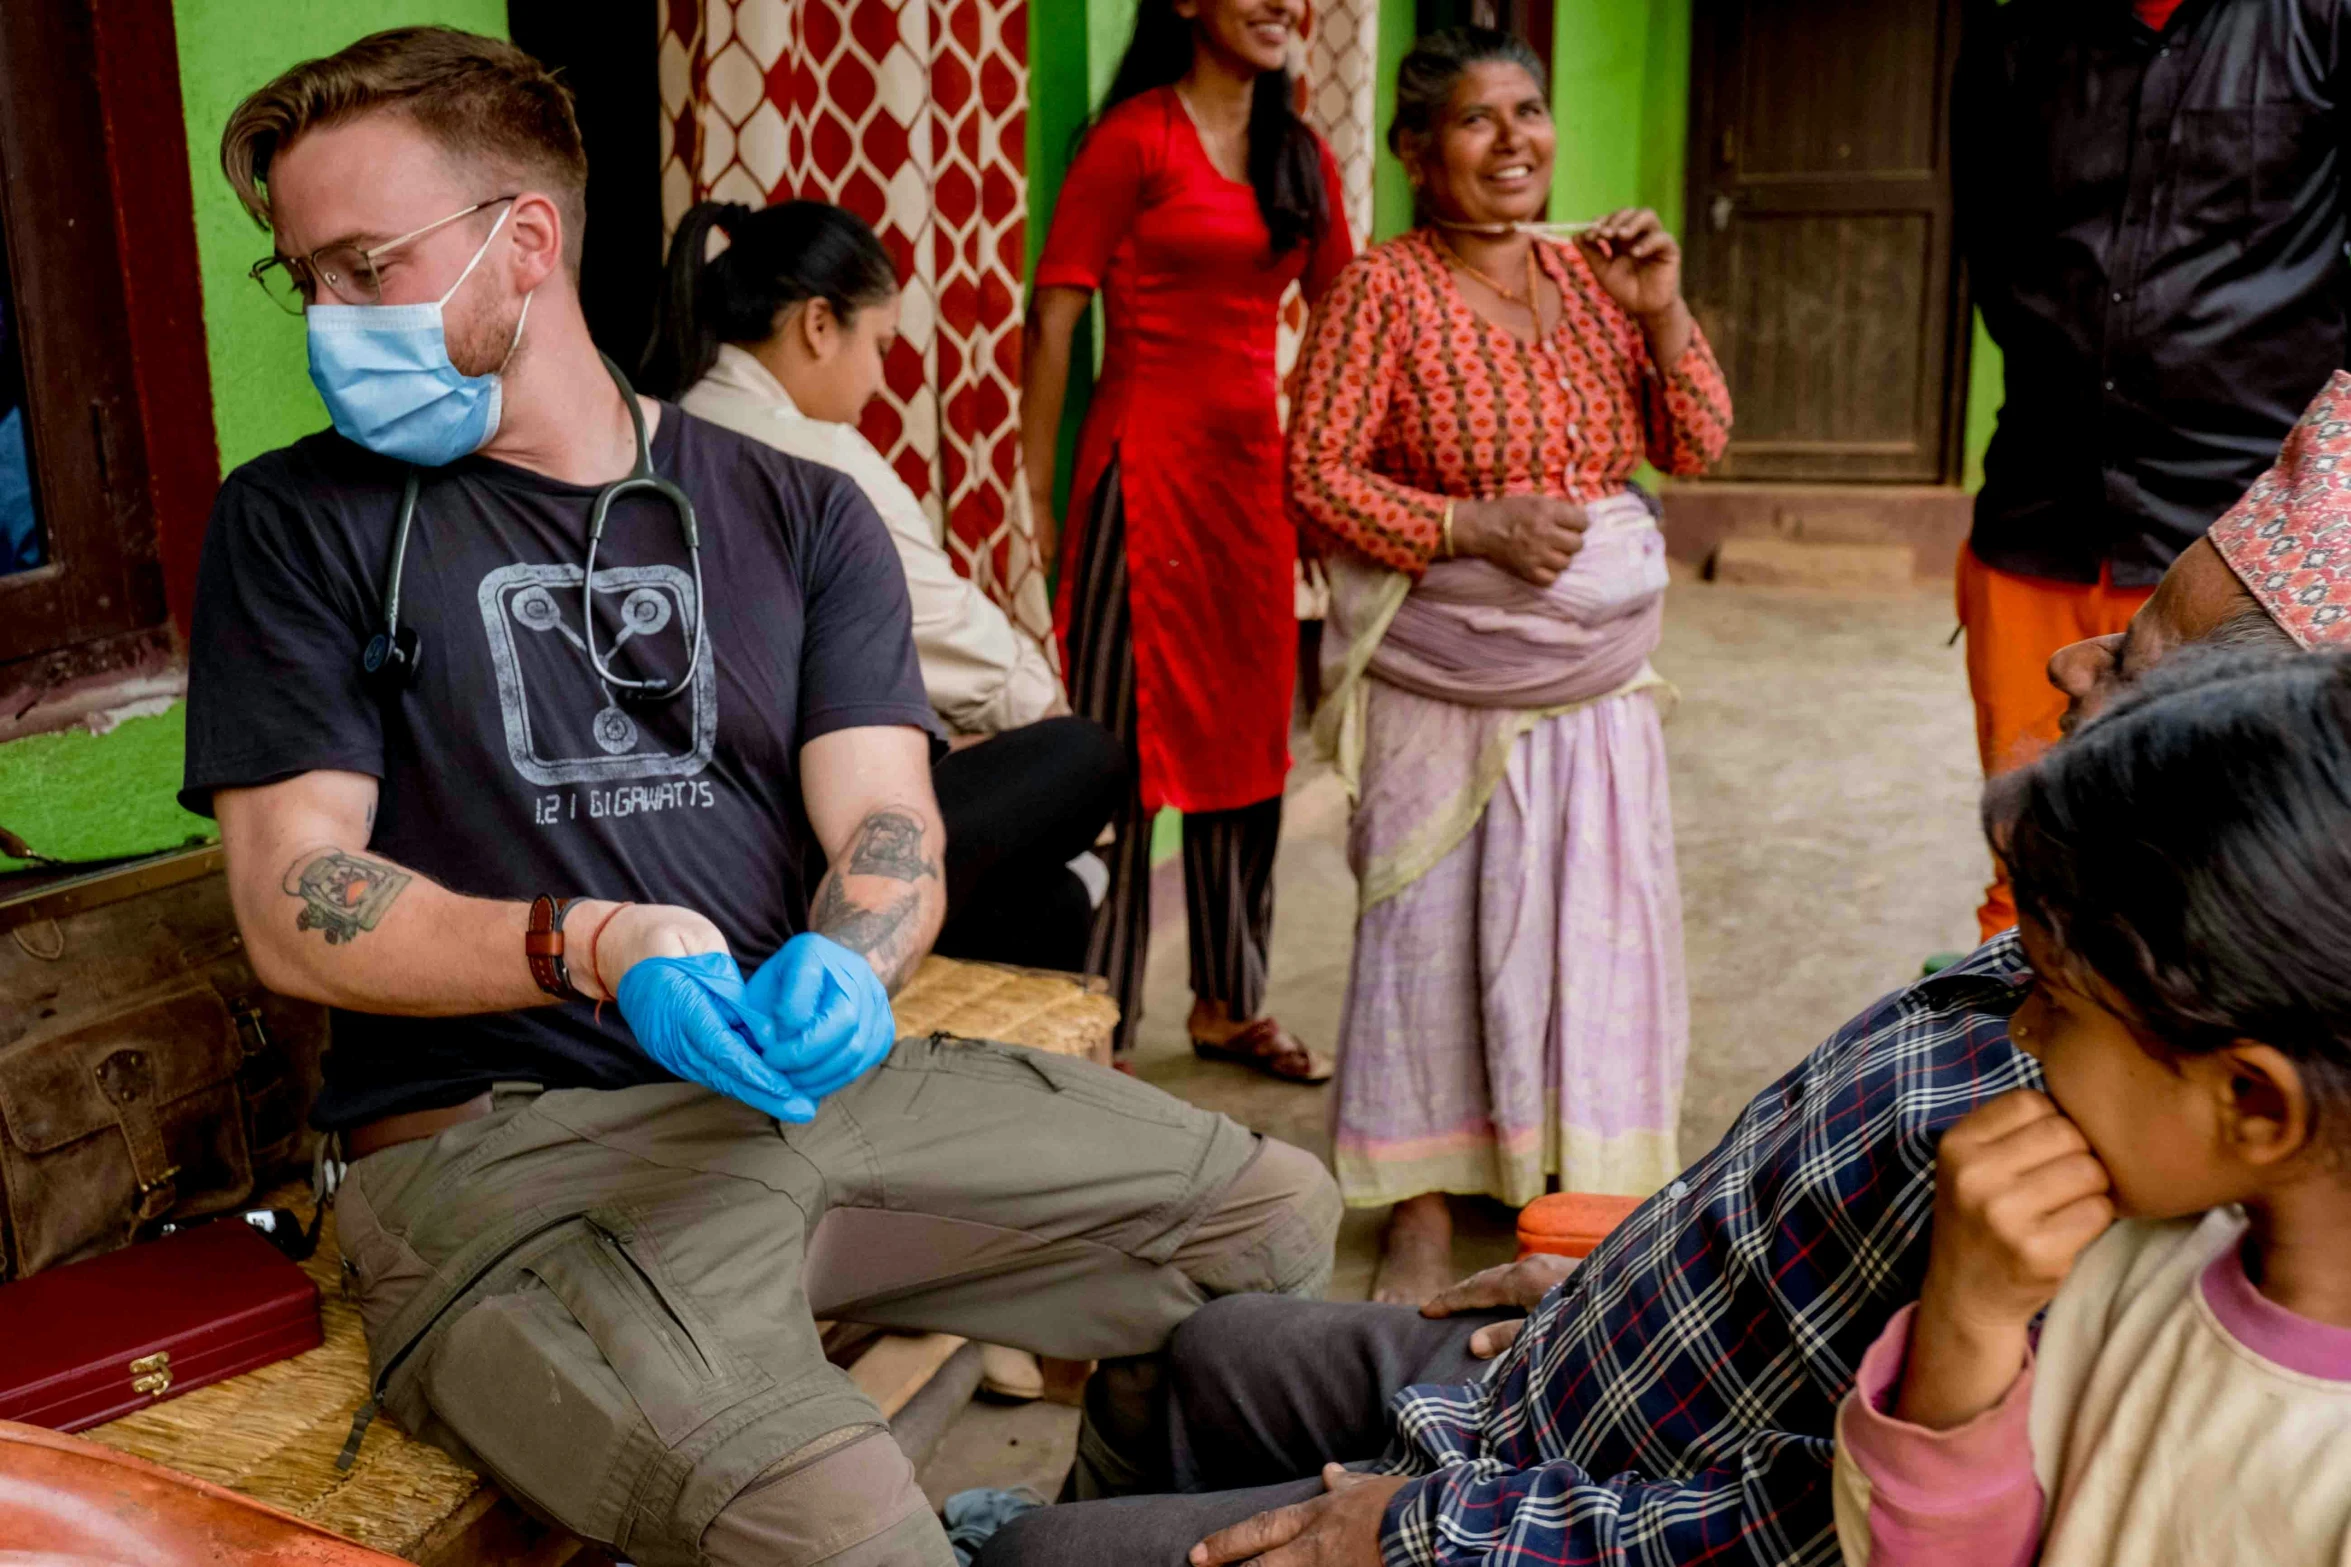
1665 110
1599 89
1985 392
261 396
1391 192
1110 25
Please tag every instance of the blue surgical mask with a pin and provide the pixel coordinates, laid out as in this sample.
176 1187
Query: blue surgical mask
385 376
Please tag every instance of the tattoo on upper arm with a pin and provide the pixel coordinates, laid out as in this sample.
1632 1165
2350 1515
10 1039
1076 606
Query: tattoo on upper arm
342 894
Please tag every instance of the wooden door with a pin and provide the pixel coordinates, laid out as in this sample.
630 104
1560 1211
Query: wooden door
1818 241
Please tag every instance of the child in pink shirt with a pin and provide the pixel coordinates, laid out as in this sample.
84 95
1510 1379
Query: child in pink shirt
2179 1203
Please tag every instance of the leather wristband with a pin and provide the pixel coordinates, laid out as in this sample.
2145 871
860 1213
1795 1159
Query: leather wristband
542 945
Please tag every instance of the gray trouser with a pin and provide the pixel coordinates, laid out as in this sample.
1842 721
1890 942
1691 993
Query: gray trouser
1261 1392
606 1299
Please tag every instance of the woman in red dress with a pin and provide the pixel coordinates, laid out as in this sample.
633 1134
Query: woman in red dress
1196 199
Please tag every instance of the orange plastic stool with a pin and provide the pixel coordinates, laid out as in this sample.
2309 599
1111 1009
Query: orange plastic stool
1570 1224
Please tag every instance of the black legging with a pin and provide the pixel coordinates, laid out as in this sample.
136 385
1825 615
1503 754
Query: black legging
1019 806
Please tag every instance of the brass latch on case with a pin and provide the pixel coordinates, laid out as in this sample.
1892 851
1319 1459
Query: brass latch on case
151 1373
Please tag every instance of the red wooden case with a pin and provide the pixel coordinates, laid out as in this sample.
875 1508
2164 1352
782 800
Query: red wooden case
85 1343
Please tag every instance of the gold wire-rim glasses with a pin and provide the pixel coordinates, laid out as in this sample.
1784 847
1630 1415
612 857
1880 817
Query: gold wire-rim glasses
344 271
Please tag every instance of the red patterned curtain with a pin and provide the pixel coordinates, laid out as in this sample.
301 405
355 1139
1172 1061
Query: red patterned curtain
913 115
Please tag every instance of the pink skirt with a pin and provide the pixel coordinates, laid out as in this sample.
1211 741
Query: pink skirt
1519 1011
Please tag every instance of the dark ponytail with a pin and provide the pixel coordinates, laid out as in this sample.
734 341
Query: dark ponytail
777 257
1285 159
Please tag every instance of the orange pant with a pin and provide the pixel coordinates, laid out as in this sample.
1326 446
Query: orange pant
2013 625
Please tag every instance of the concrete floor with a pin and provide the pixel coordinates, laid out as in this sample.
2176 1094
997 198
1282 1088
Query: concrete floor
1825 787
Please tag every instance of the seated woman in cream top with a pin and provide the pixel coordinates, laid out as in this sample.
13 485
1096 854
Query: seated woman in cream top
984 674
781 335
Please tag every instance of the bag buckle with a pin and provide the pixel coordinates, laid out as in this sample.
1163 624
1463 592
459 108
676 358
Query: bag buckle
252 1033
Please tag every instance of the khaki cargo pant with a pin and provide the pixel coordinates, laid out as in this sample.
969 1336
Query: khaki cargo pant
606 1299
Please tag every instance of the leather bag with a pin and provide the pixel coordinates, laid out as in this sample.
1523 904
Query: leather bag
146 1077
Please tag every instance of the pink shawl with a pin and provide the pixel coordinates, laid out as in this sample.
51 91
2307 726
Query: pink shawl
1470 632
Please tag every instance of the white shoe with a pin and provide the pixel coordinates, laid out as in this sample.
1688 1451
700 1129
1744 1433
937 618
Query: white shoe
1011 1374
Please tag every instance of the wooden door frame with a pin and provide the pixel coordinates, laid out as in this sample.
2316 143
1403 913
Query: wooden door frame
100 230
1708 74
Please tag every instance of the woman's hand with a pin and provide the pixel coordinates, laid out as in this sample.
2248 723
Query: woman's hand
1640 265
1636 260
1044 527
1044 381
1529 536
2018 1196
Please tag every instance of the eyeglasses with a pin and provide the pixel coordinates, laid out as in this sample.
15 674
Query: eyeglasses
343 272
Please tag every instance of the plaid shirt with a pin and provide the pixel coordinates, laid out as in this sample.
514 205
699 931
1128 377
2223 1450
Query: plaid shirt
1674 1401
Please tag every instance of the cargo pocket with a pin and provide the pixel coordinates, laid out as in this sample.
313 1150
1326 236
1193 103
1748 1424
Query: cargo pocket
584 1374
658 1342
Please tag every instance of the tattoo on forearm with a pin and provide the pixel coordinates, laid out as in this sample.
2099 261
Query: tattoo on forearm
855 926
343 895
889 844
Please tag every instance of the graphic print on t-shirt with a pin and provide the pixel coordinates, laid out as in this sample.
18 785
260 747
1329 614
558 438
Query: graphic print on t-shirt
565 725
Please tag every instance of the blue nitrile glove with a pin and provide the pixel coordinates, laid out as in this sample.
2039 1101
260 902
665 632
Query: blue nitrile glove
827 1017
690 1015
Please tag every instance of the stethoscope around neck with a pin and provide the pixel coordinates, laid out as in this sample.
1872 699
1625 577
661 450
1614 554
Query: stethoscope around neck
393 658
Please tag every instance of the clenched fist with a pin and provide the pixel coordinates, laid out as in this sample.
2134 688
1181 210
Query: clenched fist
2018 1196
1529 536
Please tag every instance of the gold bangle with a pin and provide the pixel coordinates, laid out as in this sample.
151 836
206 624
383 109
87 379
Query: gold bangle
1448 530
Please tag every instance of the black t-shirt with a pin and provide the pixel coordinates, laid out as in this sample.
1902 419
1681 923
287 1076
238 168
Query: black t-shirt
509 769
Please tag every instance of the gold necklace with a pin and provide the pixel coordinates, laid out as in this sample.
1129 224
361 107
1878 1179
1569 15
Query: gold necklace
1525 301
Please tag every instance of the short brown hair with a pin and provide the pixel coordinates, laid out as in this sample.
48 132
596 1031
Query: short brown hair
483 100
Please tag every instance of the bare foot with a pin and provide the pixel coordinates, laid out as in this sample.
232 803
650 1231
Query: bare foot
1417 1260
1211 1022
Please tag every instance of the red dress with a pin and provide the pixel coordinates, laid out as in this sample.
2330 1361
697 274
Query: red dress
1185 402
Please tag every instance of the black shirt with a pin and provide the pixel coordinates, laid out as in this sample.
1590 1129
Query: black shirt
509 771
2153 226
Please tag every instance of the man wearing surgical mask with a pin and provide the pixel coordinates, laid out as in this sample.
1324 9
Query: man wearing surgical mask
530 711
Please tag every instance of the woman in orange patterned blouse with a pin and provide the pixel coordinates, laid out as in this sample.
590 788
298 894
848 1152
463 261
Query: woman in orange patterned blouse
1475 401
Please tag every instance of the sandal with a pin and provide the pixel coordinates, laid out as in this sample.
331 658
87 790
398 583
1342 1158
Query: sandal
1271 1049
